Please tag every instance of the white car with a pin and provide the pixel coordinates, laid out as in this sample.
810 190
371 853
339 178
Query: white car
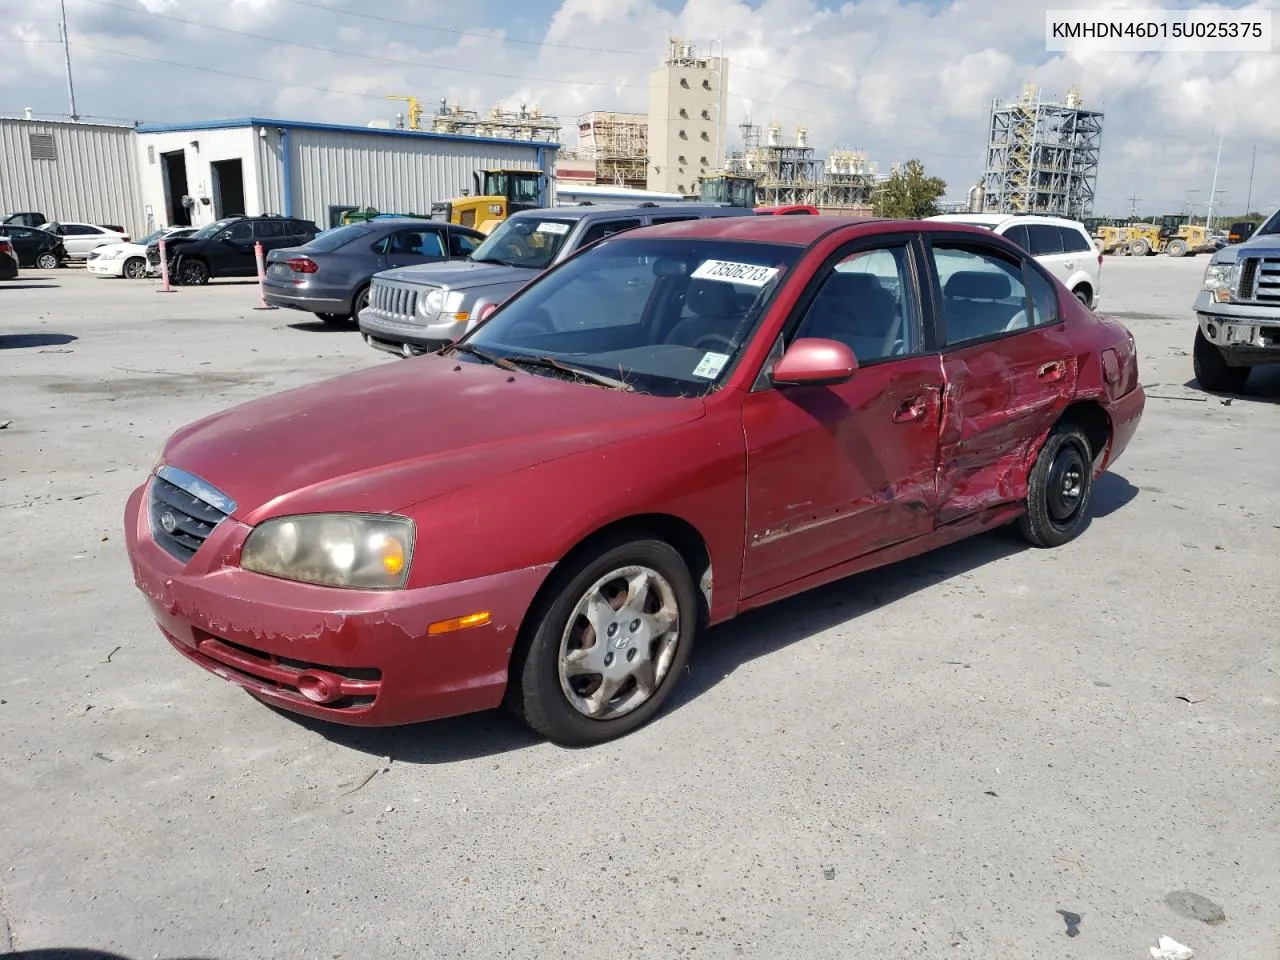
1062 246
129 259
82 238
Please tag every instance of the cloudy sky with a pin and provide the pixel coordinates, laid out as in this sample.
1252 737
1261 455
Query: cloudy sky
897 78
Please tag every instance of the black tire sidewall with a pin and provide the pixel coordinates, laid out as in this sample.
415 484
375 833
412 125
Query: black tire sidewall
539 697
1211 369
195 266
1037 524
124 271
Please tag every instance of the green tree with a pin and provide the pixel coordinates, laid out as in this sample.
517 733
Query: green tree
909 194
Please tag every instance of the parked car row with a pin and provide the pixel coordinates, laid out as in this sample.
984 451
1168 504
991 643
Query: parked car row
130 260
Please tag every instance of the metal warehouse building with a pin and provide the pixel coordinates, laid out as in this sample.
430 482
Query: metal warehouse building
71 171
199 172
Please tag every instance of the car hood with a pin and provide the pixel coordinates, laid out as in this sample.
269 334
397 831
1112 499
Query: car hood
382 439
460 274
1265 245
126 249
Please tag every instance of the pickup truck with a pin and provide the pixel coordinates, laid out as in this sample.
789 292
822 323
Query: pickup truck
414 310
1238 311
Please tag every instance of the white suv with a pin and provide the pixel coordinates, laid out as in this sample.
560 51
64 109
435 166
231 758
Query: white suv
1062 246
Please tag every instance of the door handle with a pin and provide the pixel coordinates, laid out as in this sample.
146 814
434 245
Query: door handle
911 410
1052 372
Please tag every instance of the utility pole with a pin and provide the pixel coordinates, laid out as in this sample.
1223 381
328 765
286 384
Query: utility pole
1213 191
1133 206
66 54
1248 204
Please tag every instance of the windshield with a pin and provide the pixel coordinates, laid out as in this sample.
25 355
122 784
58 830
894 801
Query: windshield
666 316
1271 226
211 229
525 242
338 237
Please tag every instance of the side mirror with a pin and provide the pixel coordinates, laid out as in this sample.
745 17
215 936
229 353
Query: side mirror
814 362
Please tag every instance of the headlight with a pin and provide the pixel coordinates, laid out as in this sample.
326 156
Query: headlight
1221 279
438 305
432 302
361 551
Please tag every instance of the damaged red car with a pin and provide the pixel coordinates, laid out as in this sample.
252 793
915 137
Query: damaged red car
675 426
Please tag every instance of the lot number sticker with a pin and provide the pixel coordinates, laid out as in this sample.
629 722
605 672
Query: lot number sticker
710 365
554 228
748 274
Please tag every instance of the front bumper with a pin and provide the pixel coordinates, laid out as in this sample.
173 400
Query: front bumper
369 649
392 335
105 268
1246 335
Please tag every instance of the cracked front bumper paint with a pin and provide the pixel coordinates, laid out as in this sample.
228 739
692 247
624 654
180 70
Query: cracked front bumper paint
367 651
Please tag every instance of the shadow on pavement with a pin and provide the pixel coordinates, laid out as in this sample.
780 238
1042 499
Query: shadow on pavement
14 341
11 285
316 326
1263 386
72 953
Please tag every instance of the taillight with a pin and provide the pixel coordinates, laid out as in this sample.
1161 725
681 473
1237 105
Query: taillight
302 265
1099 260
6 247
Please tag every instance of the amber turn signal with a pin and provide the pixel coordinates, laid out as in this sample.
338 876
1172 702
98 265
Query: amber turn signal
458 623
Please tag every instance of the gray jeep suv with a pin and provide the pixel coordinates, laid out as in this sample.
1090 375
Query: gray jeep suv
413 310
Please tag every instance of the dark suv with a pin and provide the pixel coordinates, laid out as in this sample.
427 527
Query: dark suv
225 248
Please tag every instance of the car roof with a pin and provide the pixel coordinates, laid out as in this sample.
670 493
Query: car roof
798 231
612 211
999 219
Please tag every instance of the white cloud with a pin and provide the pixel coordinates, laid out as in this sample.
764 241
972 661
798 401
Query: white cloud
898 79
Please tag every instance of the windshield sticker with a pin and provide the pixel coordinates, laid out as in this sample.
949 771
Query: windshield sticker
553 228
710 365
748 274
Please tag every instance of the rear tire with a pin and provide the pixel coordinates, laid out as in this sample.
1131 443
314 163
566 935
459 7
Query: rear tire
1083 294
359 302
47 261
1059 488
1140 247
1213 373
1176 248
540 669
135 268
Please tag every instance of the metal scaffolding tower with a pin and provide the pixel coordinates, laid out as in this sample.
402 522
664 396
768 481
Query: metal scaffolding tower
792 173
1042 157
527 123
618 143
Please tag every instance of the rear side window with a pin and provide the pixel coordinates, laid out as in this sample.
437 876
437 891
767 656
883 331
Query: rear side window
983 292
1018 234
1046 239
268 229
340 237
1074 241
1044 297
606 228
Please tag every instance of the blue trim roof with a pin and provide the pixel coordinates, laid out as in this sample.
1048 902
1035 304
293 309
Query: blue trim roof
335 128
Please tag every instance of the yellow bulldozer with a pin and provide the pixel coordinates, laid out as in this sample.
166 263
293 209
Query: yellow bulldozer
499 193
1173 236
1111 239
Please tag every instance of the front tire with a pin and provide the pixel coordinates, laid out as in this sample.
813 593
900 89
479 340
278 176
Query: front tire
191 273
1059 488
1213 373
608 644
135 268
1176 248
1140 247
334 319
47 261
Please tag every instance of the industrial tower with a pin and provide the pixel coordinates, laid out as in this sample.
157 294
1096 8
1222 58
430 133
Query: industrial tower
1042 157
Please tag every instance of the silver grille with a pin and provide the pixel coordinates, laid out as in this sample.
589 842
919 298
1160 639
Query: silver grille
393 300
1260 280
184 510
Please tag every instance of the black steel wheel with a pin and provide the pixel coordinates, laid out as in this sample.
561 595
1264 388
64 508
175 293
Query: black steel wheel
1059 488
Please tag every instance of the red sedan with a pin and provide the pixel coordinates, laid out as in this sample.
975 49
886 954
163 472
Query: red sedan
675 426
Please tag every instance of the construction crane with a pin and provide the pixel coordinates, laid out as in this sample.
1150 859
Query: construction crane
415 111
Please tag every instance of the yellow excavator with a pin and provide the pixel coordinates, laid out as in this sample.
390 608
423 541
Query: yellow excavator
499 193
